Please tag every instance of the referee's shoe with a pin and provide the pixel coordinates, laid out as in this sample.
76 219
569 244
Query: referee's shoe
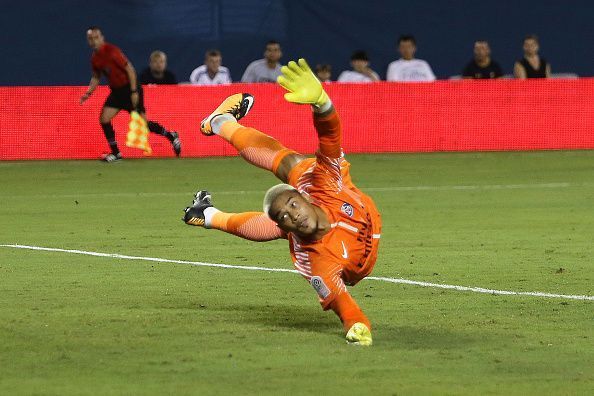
176 143
111 157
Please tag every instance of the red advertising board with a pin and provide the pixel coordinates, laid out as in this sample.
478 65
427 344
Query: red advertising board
49 122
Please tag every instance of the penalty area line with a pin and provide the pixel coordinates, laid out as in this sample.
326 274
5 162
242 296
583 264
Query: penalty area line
252 268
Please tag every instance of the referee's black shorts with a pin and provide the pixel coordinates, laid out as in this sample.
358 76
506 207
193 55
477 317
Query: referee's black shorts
120 99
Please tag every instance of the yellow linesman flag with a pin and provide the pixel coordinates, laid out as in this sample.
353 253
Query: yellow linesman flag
138 134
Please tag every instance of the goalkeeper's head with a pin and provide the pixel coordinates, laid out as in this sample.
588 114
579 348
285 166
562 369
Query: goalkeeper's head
292 211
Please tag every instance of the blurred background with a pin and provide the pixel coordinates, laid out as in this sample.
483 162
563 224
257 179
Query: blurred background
43 42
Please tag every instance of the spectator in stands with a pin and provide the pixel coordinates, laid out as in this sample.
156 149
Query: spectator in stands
157 72
531 65
482 66
211 72
361 71
267 69
324 72
407 68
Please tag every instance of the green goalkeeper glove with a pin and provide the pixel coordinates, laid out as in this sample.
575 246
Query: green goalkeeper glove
302 84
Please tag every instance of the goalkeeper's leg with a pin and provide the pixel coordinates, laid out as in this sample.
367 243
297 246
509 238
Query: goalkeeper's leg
256 147
254 226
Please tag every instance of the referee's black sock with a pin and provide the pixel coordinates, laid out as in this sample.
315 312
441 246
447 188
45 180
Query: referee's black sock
157 128
110 136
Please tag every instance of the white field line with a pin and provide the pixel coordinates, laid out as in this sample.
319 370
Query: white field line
375 278
367 189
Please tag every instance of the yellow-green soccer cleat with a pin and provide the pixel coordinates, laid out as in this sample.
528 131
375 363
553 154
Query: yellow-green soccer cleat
237 105
359 334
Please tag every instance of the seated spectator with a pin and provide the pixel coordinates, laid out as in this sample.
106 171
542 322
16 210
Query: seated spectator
157 72
361 71
482 66
324 72
211 72
407 68
531 65
266 69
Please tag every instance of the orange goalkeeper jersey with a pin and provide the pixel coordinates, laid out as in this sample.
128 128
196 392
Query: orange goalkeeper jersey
347 253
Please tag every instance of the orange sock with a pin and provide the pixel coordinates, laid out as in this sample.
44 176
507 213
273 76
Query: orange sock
254 226
254 146
348 311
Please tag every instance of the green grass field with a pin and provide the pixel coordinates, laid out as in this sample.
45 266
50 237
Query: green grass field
80 324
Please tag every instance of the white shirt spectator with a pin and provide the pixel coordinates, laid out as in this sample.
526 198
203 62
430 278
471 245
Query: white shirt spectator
258 71
353 76
410 70
200 76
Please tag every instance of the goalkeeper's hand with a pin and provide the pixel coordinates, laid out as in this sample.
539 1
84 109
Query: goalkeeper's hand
302 84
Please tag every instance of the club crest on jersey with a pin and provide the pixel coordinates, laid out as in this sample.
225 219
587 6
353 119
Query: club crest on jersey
347 209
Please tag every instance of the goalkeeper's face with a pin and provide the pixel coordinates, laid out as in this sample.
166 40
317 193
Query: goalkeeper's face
294 213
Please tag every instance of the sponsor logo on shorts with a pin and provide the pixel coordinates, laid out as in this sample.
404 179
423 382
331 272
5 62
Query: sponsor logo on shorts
347 209
320 287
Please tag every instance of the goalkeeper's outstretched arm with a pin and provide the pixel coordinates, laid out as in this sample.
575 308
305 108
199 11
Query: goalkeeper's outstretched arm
305 88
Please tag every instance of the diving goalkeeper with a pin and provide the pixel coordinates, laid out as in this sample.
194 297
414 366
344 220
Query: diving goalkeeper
332 227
